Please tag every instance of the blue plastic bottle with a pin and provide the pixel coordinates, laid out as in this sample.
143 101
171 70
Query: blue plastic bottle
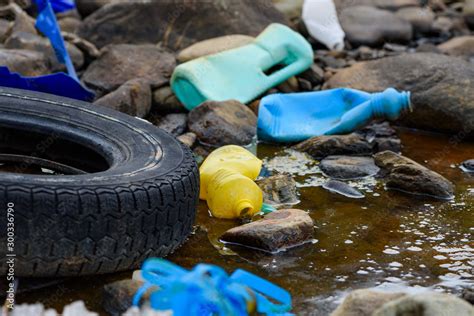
242 73
298 116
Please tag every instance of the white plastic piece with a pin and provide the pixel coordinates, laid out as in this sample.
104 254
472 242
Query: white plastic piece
321 20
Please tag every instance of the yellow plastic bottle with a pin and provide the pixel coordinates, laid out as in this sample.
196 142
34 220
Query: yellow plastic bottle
227 183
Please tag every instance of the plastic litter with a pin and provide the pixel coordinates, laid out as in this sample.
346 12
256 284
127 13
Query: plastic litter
227 182
62 5
243 73
298 116
320 18
208 290
61 84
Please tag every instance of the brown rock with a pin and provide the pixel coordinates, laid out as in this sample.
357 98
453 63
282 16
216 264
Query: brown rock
278 230
458 46
117 296
364 302
279 189
223 123
164 100
22 22
24 62
420 18
213 46
120 63
176 24
188 139
132 98
87 48
322 146
174 123
69 24
406 175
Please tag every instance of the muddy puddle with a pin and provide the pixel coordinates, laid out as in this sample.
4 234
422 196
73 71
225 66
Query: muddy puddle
387 240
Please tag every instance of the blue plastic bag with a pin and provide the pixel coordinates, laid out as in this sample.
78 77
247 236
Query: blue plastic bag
62 5
208 290
298 116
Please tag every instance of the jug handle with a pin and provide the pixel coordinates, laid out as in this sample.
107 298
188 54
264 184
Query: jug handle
293 66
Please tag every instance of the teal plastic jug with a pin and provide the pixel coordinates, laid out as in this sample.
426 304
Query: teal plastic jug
295 117
242 73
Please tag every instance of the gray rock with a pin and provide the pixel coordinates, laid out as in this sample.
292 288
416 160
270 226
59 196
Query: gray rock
420 18
188 139
315 75
5 27
406 175
467 294
176 24
277 231
23 40
117 296
364 302
441 88
348 167
290 8
22 22
342 188
392 5
132 98
370 26
279 190
87 7
174 123
468 165
69 24
459 46
323 146
120 63
24 62
223 123
426 304
213 46
468 13
382 137
164 100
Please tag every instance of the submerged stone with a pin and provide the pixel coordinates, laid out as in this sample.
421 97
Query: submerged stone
327 145
410 177
277 231
279 189
348 167
468 165
342 188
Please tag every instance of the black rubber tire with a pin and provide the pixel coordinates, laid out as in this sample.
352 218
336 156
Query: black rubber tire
143 205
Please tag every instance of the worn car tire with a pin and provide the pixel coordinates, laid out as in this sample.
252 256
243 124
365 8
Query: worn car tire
138 198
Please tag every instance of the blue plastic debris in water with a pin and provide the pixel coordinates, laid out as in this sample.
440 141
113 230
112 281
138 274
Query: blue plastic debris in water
208 290
298 116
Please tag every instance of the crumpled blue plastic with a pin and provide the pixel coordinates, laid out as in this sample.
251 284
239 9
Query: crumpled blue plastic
62 5
208 290
66 85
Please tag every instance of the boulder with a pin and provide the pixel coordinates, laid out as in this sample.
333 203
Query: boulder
120 63
176 24
420 18
117 296
406 175
364 302
441 88
132 98
279 189
278 230
327 145
223 123
370 26
426 304
213 46
348 167
25 62
23 40
459 46
342 188
174 123
164 100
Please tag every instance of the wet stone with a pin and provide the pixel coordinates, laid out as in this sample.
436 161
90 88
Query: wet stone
468 165
223 123
279 189
364 302
342 188
348 167
118 296
323 146
406 175
277 231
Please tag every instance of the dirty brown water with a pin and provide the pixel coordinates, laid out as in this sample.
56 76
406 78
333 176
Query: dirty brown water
387 240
